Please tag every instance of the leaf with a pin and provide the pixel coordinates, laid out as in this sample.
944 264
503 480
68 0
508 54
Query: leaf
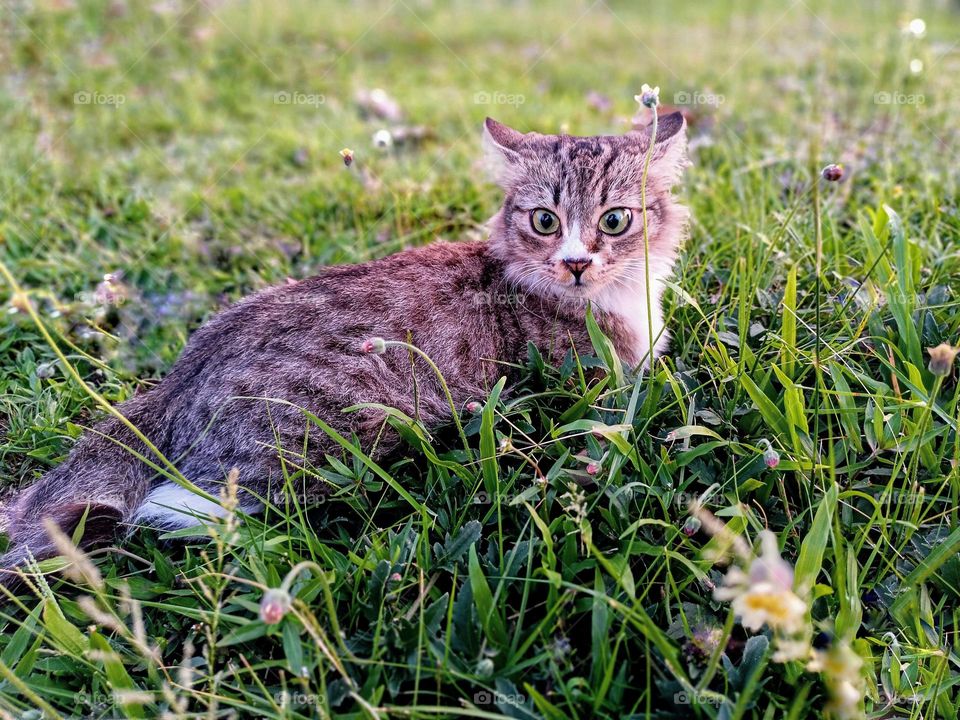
490 619
810 559
770 412
116 674
488 441
21 639
292 646
62 631
604 348
753 657
579 408
788 329
457 546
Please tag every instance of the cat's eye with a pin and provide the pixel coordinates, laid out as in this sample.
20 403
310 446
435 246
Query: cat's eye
616 221
544 221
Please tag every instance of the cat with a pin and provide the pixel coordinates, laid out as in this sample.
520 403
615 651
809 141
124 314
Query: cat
570 230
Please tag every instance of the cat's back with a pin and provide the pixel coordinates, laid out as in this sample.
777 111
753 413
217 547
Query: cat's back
434 292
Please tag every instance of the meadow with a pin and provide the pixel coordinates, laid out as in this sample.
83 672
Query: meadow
160 160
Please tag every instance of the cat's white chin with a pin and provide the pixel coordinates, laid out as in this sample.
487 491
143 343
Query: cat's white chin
642 314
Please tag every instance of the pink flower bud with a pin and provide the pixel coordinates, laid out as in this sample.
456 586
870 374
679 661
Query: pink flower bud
593 468
771 457
691 526
473 406
373 346
274 605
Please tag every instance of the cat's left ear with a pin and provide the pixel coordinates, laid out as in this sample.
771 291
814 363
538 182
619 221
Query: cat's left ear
501 148
669 148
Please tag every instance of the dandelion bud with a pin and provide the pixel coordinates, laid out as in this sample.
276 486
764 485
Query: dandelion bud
771 457
374 346
832 173
941 359
274 605
347 155
649 97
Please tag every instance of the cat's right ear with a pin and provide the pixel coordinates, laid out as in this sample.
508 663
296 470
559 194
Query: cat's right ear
501 146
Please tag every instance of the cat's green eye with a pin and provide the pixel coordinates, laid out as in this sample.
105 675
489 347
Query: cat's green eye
615 221
544 221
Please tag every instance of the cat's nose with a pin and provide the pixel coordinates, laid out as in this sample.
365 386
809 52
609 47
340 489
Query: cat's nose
577 266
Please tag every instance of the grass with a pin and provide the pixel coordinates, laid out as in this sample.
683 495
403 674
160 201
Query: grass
559 573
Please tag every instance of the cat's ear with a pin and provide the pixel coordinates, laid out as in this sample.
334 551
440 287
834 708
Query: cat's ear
501 146
670 148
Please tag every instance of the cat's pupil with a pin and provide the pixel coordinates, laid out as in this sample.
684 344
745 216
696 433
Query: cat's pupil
546 220
613 221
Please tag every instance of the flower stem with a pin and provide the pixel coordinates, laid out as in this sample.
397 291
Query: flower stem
443 385
646 239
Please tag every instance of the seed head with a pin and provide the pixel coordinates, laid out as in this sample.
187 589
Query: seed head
941 359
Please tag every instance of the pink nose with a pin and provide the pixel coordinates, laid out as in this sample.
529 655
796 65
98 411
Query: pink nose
577 266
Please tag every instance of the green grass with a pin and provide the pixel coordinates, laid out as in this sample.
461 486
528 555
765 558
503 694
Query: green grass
518 576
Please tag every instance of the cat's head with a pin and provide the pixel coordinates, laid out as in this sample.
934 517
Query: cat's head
571 224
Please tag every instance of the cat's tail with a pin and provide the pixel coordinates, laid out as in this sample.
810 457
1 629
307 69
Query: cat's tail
101 483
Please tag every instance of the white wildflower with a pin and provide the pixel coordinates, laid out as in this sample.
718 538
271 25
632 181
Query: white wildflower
649 97
764 596
841 668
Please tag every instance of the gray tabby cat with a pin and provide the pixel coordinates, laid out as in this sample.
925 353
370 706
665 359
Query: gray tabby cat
570 230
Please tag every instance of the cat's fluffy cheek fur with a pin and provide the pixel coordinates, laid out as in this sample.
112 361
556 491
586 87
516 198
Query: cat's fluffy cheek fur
629 305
